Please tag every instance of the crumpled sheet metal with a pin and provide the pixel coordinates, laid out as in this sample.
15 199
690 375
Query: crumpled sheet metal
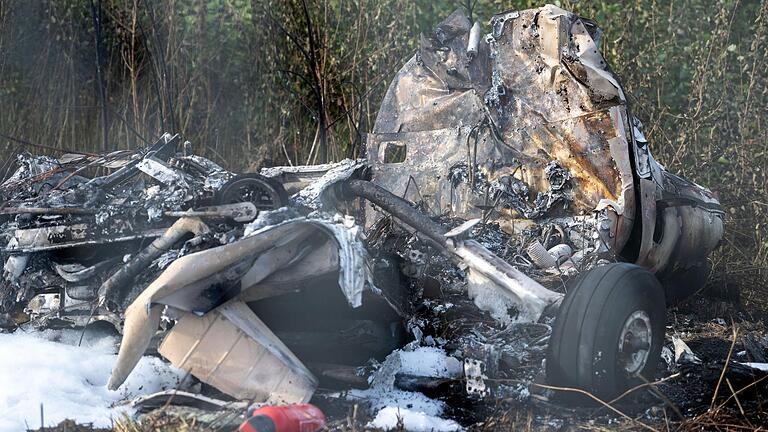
199 282
537 92
316 181
348 252
52 205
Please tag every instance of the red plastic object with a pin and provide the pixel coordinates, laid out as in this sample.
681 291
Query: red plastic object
285 418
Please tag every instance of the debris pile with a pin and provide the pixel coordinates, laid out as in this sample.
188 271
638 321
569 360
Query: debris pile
64 233
504 195
181 246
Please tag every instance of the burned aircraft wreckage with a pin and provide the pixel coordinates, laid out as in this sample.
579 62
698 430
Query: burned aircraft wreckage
509 210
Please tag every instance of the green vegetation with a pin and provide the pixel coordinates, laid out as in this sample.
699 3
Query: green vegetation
254 82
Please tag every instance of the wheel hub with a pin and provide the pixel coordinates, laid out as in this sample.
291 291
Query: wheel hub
635 342
262 194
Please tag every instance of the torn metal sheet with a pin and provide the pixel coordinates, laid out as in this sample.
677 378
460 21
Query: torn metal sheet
201 281
544 114
683 353
497 287
535 126
14 266
315 196
162 172
312 186
352 265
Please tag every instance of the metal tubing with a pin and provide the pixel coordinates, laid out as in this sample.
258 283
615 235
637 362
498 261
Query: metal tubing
396 206
111 290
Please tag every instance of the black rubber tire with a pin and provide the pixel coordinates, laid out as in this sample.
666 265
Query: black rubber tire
584 346
230 192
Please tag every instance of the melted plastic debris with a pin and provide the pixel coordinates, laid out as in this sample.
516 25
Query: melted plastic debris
513 193
509 192
557 175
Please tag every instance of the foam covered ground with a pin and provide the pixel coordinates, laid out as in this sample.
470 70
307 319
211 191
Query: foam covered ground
49 369
412 411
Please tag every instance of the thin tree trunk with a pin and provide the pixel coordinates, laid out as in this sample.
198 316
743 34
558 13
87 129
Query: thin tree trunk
100 82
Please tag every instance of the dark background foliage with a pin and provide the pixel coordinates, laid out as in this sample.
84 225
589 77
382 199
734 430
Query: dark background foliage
255 82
